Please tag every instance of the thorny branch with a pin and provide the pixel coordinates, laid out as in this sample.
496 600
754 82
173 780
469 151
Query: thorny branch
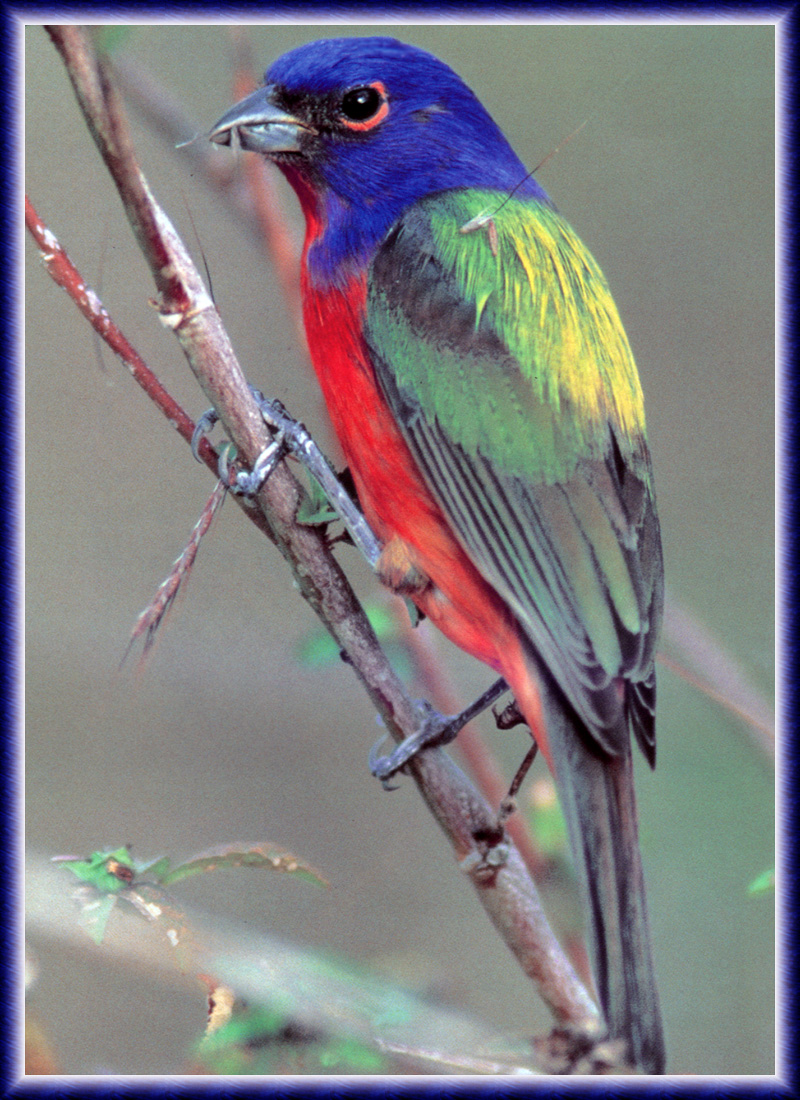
498 873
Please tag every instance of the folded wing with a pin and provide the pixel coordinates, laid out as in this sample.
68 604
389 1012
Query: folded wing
502 356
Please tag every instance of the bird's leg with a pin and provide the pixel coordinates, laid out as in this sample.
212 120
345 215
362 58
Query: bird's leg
436 729
302 447
509 803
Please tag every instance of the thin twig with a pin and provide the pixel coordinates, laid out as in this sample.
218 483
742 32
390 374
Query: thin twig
64 273
278 242
256 203
717 674
151 618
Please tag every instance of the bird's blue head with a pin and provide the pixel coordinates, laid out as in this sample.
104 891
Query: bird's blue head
363 128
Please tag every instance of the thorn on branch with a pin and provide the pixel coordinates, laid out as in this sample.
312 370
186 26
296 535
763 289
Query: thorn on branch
151 618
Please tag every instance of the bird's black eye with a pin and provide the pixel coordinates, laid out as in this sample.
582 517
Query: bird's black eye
363 108
359 104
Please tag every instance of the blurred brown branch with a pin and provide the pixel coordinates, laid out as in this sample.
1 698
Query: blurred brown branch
305 986
716 673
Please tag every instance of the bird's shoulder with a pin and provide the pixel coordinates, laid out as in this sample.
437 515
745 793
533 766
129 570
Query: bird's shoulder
482 301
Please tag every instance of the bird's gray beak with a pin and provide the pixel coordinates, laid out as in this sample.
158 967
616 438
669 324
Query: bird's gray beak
260 126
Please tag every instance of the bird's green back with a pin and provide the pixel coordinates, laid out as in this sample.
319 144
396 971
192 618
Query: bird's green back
535 365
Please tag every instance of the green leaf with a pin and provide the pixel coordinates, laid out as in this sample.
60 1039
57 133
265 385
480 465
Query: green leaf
107 872
262 856
319 650
315 508
548 827
108 877
350 1056
227 451
264 1041
381 620
112 37
763 883
94 914
250 1026
155 871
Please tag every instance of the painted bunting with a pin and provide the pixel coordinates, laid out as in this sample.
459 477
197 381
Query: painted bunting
486 400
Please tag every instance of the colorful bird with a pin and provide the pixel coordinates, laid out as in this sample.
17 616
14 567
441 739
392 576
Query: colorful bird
486 400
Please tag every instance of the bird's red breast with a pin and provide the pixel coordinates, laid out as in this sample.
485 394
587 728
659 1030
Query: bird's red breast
394 497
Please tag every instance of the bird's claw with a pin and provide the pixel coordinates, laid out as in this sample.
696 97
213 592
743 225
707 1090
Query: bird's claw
247 482
436 729
377 764
202 428
274 413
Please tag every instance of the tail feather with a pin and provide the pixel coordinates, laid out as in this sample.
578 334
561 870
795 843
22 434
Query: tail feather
598 799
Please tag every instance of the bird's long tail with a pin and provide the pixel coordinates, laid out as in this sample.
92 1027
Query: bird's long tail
598 801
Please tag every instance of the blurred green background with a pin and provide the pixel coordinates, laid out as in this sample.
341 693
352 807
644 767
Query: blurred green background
224 736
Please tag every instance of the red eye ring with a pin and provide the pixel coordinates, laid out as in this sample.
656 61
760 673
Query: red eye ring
372 97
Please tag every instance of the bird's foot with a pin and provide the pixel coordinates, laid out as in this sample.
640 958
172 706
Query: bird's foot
435 730
244 482
292 437
509 716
